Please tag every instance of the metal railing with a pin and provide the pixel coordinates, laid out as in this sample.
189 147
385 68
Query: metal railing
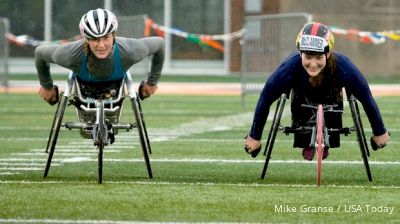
4 52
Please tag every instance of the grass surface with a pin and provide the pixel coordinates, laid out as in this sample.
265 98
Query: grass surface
201 173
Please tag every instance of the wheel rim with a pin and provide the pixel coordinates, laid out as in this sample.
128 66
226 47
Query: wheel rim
319 142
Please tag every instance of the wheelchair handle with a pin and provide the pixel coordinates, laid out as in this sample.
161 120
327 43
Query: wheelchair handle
326 108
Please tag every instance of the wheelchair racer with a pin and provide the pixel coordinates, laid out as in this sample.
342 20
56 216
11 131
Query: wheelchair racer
100 57
316 75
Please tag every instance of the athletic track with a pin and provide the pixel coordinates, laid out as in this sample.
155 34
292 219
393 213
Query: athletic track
190 88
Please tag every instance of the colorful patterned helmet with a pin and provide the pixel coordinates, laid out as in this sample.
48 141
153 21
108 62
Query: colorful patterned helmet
315 37
98 23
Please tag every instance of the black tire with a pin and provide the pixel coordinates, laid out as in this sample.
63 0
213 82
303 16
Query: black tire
364 139
146 136
272 134
355 113
55 129
100 149
100 141
141 132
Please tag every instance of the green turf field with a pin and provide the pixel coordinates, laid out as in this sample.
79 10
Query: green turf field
201 172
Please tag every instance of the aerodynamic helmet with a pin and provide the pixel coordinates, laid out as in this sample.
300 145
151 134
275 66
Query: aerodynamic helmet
98 23
315 37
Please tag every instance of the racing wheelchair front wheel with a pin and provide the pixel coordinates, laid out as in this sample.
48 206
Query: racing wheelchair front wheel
320 141
100 138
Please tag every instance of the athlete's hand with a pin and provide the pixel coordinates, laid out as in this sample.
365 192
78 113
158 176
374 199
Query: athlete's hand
146 90
252 146
380 141
49 95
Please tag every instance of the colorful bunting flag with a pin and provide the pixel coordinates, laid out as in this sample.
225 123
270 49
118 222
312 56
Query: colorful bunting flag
214 41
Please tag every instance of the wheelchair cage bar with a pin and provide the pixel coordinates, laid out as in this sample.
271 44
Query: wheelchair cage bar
74 84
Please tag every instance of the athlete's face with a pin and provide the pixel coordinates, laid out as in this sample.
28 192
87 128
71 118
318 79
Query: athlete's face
314 63
102 47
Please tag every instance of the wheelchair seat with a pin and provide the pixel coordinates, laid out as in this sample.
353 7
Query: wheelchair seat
326 135
99 109
85 98
305 116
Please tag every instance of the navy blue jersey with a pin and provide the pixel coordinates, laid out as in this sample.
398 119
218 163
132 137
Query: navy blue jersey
291 75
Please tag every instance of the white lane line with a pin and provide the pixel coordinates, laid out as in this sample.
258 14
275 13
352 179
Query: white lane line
20 168
78 151
161 183
8 173
21 164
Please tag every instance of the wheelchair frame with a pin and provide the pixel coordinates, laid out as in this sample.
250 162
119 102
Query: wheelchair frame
100 129
320 134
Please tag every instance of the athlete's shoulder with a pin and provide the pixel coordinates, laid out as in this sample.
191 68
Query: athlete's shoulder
122 40
343 62
293 57
340 56
292 61
70 48
127 42
69 54
288 68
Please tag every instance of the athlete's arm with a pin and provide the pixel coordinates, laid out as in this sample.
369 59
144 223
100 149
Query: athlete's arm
355 83
43 58
279 82
156 50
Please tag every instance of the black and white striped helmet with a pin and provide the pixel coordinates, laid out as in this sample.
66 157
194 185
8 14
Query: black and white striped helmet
98 23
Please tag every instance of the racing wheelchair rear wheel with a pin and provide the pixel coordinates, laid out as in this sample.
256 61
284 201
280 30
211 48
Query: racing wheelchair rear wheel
144 142
362 142
274 129
55 129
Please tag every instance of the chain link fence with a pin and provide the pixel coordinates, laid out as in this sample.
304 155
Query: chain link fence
267 41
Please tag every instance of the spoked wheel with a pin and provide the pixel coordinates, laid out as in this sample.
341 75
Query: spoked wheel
320 146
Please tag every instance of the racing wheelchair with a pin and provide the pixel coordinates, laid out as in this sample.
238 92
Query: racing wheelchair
98 109
319 131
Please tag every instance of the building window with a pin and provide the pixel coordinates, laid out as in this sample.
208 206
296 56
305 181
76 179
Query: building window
252 6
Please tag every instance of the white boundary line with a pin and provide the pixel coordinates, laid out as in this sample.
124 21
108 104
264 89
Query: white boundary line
66 221
79 158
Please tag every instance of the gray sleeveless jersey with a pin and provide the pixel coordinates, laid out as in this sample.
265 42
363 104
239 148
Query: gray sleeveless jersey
70 56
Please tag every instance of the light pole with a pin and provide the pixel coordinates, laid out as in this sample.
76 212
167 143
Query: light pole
47 20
